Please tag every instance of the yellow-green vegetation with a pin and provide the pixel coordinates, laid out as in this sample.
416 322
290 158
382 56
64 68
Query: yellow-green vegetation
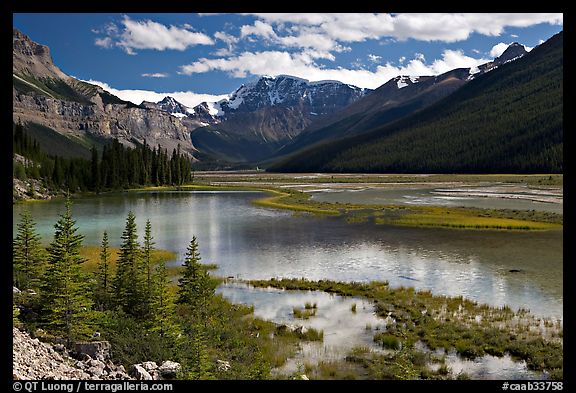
465 218
427 216
305 313
92 256
442 322
420 216
293 200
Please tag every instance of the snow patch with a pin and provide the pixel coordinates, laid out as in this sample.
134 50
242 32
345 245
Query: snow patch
401 82
178 115
414 79
325 82
215 109
474 70
515 58
314 113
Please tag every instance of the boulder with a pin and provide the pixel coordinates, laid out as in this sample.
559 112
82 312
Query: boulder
15 290
169 369
149 366
222 365
139 373
99 350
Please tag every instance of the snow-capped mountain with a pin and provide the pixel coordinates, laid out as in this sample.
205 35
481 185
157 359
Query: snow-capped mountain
315 98
170 105
261 116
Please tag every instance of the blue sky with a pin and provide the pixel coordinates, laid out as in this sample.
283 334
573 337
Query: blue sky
198 57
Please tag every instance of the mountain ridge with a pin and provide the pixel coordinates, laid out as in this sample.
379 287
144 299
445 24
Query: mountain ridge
508 119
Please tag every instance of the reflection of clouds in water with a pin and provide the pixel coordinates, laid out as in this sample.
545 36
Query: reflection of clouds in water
490 367
252 242
343 329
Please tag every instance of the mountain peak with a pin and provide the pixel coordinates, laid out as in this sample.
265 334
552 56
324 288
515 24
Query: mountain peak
32 58
170 105
514 51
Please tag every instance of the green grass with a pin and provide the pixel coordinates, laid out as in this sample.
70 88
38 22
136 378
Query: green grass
303 313
92 256
447 322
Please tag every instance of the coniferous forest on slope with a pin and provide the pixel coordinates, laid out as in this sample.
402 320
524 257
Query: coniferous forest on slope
508 120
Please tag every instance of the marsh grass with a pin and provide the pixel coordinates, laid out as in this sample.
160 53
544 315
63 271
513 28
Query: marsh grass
448 323
305 313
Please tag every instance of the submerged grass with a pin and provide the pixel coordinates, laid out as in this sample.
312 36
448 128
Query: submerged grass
470 328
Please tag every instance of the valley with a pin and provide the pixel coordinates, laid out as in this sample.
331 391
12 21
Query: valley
297 196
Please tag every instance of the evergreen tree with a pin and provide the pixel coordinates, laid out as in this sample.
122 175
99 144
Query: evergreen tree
147 249
194 287
127 281
103 285
162 302
64 291
27 254
95 171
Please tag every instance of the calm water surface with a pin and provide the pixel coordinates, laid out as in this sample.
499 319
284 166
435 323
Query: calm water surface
256 243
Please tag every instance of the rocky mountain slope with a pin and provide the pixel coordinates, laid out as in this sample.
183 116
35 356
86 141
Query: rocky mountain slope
506 119
262 116
44 95
397 98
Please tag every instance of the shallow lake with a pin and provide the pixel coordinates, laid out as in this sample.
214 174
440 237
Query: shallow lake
250 242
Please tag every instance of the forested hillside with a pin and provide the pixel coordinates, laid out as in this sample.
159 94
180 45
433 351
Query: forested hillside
508 120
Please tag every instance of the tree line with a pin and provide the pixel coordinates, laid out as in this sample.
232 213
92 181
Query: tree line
116 167
69 303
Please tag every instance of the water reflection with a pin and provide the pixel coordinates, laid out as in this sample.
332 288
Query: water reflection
343 329
256 243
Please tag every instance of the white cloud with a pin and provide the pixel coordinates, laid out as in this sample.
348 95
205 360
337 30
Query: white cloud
296 64
426 27
148 34
225 37
374 58
402 59
105 42
498 49
155 75
187 98
260 29
514 35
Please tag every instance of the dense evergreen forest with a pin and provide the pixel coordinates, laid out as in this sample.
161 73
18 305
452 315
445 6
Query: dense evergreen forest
509 120
114 168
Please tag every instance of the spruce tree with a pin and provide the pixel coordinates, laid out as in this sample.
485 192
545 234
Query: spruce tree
194 287
162 302
147 249
27 254
64 291
103 279
128 275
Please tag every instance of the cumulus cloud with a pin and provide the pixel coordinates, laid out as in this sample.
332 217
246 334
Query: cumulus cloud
281 62
147 34
454 27
155 75
498 49
188 98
